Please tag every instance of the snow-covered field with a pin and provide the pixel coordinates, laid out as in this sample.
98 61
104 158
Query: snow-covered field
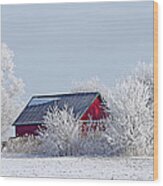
81 167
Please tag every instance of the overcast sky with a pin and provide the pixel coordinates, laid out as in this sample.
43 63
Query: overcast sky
56 44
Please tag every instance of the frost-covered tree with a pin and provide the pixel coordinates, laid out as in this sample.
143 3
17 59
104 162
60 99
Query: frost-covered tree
62 134
132 111
11 90
92 85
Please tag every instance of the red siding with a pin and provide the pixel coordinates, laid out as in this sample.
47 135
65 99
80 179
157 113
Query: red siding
95 111
23 130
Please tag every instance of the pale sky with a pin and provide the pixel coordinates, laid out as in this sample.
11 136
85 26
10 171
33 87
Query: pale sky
56 44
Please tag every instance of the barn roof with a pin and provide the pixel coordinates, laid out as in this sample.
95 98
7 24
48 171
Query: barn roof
38 106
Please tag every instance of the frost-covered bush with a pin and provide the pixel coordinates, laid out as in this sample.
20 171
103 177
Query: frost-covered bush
24 145
95 144
62 134
132 111
12 89
92 85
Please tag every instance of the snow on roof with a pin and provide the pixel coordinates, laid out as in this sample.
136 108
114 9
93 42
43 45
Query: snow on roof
38 106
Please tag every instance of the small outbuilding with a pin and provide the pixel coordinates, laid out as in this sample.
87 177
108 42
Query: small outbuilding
85 105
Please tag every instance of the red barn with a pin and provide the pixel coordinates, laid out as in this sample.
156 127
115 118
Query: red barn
89 107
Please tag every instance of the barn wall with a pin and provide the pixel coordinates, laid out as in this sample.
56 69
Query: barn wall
95 110
26 129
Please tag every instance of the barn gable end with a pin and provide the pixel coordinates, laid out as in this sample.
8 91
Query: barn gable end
95 111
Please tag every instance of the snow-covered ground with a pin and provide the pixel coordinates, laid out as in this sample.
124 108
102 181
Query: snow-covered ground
81 167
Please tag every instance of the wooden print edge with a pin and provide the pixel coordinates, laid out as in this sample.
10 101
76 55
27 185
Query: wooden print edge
155 90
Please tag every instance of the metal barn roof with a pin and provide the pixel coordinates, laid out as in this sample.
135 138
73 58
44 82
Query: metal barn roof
38 106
